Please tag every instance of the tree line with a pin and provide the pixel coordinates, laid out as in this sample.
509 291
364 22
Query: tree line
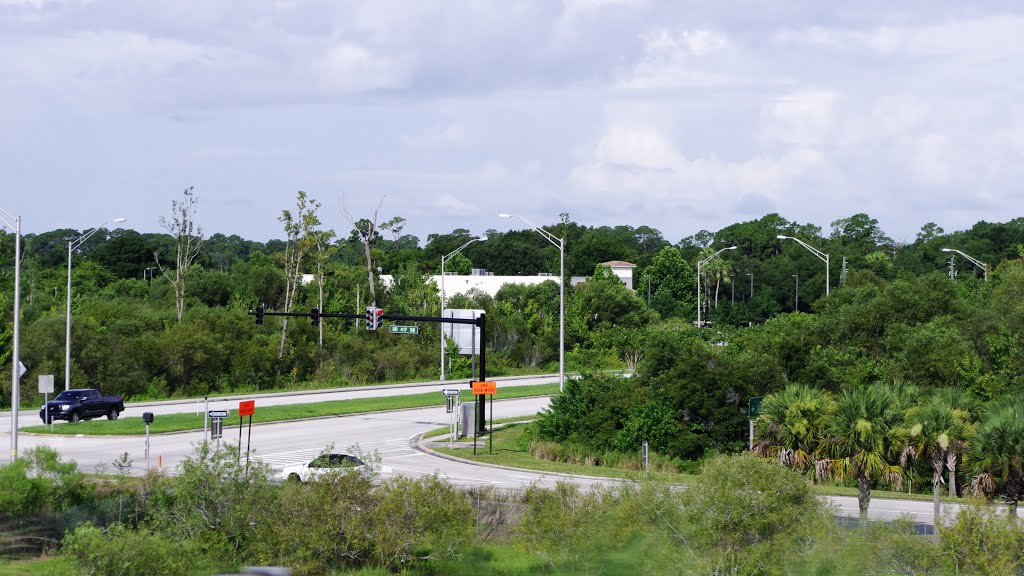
158 315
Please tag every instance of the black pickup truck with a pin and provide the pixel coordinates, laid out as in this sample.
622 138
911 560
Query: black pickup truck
82 404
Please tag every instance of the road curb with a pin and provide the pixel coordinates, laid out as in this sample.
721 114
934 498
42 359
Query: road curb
416 443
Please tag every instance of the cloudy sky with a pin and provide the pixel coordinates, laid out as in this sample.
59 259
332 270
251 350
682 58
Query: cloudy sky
674 114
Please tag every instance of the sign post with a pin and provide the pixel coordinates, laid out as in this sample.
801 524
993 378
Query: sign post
245 408
451 401
147 417
217 424
483 388
45 388
753 409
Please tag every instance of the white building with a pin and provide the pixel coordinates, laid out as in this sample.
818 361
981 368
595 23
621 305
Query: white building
488 283
485 282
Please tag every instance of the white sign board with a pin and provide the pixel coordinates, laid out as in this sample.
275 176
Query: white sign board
463 333
46 383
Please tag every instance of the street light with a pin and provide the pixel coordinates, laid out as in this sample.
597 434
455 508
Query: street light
14 223
984 268
560 244
699 264
796 294
67 348
443 258
751 285
815 251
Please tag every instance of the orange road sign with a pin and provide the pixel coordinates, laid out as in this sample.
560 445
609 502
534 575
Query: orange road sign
247 408
484 387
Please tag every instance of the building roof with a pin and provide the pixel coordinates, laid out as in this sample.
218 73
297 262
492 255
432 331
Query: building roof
619 264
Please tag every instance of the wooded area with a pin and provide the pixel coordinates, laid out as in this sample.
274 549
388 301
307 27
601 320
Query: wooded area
893 312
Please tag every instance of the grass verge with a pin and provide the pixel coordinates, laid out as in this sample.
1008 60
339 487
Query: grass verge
52 566
509 451
190 421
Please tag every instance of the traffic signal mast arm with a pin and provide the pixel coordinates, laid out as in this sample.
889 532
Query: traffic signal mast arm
480 322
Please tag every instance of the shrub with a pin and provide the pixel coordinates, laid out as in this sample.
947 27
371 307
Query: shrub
980 541
745 514
119 551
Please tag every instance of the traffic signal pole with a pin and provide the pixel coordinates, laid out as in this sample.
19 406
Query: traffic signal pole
480 322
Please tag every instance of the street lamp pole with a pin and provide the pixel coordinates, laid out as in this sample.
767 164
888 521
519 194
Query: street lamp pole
442 326
14 223
796 293
72 245
559 243
983 266
751 285
821 255
699 264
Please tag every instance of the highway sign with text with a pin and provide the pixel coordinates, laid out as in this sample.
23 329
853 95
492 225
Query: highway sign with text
484 387
404 329
218 413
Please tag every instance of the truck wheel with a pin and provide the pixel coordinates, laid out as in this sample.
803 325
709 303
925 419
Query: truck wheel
75 417
113 414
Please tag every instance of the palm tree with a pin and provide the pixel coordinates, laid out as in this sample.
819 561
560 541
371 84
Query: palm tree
933 428
998 451
862 438
791 424
964 408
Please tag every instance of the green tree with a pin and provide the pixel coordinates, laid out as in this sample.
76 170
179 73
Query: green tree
933 432
998 452
673 283
863 439
792 423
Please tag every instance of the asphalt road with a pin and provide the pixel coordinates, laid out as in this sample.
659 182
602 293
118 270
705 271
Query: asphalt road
389 434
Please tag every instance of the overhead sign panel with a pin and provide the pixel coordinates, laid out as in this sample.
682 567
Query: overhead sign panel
403 329
463 334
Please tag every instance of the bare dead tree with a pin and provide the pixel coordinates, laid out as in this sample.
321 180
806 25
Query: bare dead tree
367 232
188 238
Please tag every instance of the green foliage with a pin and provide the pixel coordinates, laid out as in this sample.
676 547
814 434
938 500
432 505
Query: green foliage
120 551
673 284
981 541
792 423
864 438
40 481
747 514
997 450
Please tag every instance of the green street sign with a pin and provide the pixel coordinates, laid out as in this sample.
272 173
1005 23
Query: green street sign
754 407
404 329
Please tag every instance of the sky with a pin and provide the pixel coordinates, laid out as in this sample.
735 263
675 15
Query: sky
679 115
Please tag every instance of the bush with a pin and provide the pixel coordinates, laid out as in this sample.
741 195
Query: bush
980 541
40 482
119 551
746 514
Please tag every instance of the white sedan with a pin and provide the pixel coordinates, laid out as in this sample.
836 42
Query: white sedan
323 465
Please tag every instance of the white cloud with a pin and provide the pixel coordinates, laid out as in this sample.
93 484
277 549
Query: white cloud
449 204
576 8
799 119
629 164
351 68
679 59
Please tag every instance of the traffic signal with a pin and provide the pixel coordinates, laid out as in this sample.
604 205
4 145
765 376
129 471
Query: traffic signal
378 318
371 317
259 314
314 315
